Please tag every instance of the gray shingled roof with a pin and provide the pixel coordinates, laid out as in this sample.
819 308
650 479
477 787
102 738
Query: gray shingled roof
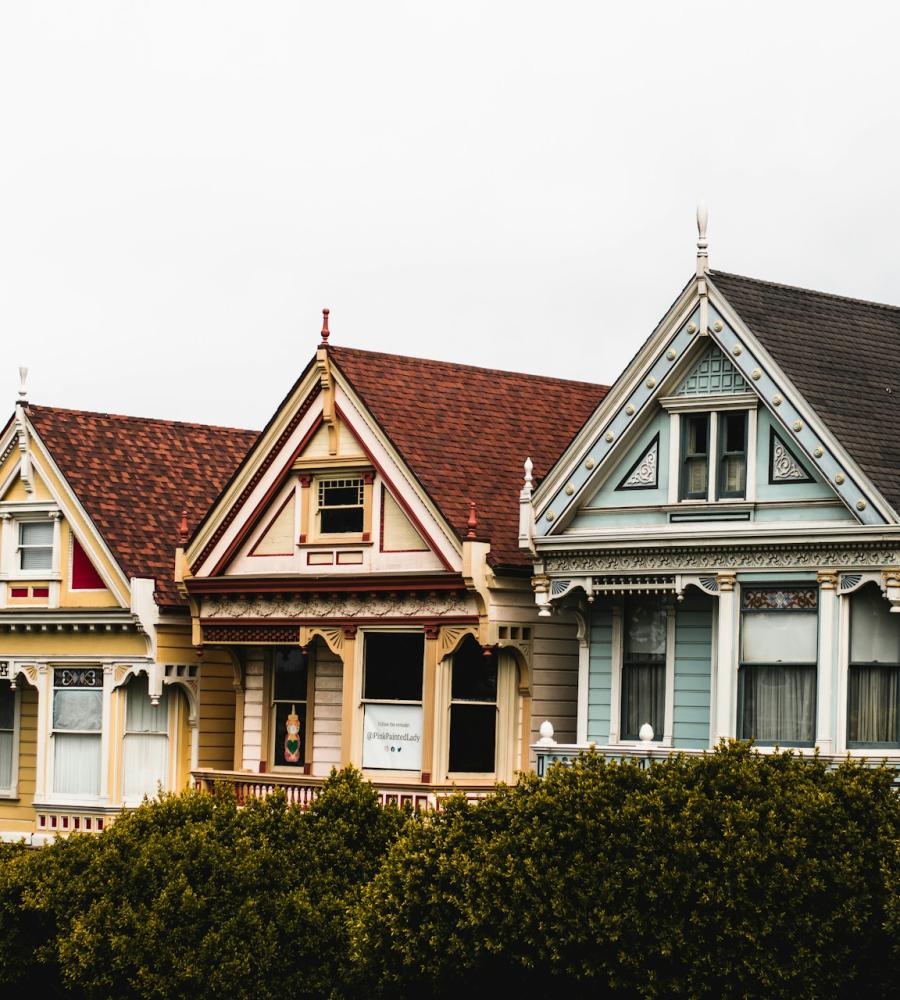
843 355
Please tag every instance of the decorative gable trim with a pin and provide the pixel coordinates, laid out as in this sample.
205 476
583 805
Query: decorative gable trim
784 466
644 474
713 375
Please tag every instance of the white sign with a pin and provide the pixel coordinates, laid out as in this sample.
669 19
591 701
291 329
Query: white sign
392 737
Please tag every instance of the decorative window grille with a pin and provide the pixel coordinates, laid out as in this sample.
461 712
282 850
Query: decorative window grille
340 503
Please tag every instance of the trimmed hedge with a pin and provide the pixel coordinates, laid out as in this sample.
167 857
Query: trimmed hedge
733 874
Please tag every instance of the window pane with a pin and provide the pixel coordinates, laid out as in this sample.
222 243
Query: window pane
6 756
342 496
474 674
36 558
643 699
76 762
645 630
341 520
734 474
290 675
141 715
145 765
734 431
7 706
77 709
874 631
36 533
290 735
697 475
393 666
779 703
874 705
473 738
779 637
698 434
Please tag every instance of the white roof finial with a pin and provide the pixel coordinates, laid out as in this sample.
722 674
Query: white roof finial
529 468
702 243
23 378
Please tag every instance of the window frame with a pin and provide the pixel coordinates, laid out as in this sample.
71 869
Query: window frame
11 791
667 666
318 484
723 453
100 733
480 703
22 547
684 493
169 734
851 664
306 766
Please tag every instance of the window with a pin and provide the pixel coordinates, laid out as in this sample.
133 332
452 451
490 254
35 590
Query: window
873 684
7 734
36 545
393 669
290 687
146 741
729 429
644 668
340 506
777 674
77 718
473 710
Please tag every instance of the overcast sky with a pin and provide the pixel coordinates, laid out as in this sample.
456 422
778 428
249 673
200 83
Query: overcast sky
184 185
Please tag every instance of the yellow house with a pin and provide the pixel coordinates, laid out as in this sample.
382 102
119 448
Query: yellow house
102 696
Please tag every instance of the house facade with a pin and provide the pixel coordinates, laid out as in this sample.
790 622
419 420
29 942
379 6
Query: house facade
725 529
362 569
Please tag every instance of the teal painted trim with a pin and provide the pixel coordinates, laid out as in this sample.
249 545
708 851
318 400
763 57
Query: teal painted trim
803 441
693 674
785 515
608 495
600 676
816 490
585 520
640 400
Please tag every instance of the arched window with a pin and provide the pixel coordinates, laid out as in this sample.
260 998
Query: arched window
474 710
146 758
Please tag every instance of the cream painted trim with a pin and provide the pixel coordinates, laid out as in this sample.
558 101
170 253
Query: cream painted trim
709 404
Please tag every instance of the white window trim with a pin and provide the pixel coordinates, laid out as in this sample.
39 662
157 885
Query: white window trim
172 736
11 517
12 791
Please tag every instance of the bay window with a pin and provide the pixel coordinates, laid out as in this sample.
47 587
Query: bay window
873 683
643 668
146 750
473 710
393 672
778 665
76 734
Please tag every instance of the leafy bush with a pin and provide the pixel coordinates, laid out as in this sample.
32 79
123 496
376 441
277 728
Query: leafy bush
733 874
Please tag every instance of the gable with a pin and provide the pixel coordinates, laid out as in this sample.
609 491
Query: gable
713 374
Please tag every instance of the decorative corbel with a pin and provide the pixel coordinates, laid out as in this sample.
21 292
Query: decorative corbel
891 578
541 587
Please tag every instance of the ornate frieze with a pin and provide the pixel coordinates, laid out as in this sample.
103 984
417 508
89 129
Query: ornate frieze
678 560
339 606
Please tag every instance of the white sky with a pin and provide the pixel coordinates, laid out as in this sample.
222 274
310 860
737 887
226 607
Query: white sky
184 185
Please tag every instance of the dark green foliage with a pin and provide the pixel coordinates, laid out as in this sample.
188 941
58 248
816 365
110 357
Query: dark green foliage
730 875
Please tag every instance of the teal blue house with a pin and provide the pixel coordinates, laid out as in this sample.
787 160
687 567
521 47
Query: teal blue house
725 528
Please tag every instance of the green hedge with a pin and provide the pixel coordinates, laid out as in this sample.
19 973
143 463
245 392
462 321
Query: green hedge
733 874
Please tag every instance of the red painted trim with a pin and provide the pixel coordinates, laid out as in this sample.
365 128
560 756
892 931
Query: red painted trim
252 521
385 492
291 496
396 494
330 584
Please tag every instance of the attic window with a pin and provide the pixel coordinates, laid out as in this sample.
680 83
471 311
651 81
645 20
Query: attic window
35 545
341 506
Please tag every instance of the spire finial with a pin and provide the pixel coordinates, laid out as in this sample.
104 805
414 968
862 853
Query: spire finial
183 528
472 523
23 378
702 242
325 330
529 468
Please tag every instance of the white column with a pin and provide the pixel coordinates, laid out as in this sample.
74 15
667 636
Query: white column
584 666
253 710
44 720
53 589
825 721
726 664
106 733
615 685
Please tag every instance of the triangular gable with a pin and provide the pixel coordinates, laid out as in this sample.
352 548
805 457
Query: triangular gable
644 473
784 465
398 533
731 363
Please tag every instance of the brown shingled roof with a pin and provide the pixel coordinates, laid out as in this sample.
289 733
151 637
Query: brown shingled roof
465 432
843 355
134 475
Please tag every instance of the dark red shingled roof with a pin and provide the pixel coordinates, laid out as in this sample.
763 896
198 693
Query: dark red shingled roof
465 432
135 475
843 355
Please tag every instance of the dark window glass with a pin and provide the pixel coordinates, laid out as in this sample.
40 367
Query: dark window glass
7 707
290 675
394 663
695 464
341 506
644 668
473 738
733 454
343 520
474 674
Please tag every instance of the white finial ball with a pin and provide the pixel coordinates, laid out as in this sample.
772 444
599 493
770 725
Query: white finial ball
646 732
546 730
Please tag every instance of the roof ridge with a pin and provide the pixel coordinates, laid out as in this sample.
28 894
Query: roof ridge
334 348
191 424
809 291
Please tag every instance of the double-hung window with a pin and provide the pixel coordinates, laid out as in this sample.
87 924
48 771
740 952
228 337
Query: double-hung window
35 545
7 734
393 671
873 684
473 710
644 668
77 721
777 674
340 505
290 685
146 755
717 442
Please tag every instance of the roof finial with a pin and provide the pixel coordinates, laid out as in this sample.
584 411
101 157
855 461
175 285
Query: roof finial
529 468
472 523
183 528
702 243
325 330
23 378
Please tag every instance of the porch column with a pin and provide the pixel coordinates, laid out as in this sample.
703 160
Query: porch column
107 737
43 682
351 734
825 722
432 633
726 665
253 753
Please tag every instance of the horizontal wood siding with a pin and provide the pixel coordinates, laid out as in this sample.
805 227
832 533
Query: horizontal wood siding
693 675
217 705
555 678
329 675
17 815
253 751
600 676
